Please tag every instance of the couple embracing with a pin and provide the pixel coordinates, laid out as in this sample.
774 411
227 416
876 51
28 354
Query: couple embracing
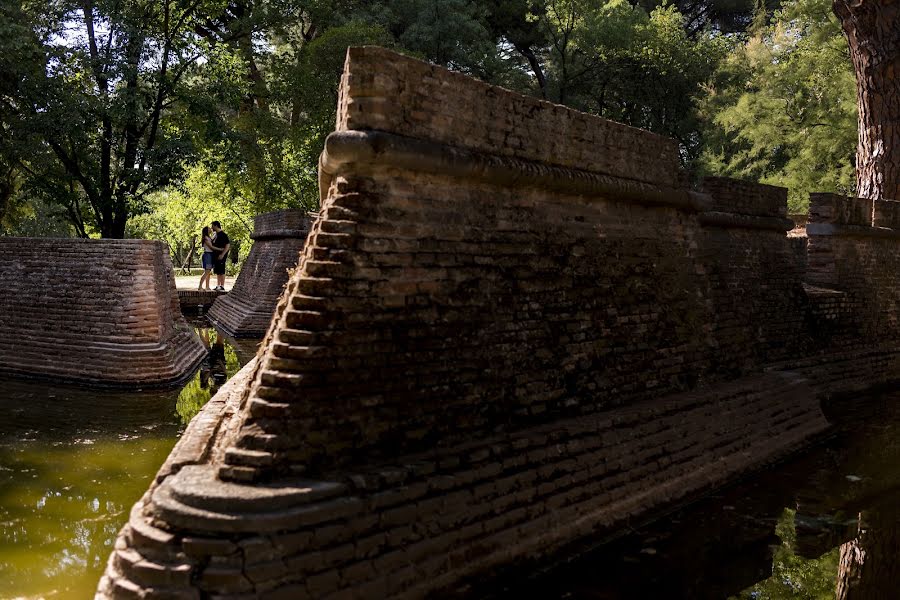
215 252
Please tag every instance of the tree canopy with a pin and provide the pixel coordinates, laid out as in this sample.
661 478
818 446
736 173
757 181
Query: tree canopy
122 117
781 108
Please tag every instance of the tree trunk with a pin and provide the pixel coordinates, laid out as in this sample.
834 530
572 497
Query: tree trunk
872 28
868 568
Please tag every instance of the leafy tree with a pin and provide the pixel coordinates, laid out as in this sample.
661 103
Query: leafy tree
782 109
617 61
176 215
727 16
94 102
453 33
515 23
308 83
30 216
111 108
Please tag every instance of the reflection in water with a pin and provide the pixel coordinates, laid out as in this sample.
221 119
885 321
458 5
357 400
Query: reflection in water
223 359
72 463
823 525
869 567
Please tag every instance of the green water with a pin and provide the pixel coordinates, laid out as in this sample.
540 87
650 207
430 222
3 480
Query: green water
72 463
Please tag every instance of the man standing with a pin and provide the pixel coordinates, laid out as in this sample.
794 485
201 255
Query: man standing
221 257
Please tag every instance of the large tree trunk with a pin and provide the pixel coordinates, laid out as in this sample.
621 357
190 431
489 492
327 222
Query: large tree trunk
873 32
869 569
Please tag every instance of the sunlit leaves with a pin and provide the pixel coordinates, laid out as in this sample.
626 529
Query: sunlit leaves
784 107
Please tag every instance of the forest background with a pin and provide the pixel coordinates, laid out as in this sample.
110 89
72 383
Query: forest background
150 118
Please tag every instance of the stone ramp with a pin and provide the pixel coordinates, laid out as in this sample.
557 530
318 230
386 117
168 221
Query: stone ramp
96 311
279 238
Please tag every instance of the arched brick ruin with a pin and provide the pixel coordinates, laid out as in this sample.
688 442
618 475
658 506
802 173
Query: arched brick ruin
246 310
97 311
513 327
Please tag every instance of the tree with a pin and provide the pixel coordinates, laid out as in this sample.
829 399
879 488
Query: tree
515 22
872 28
177 214
105 103
781 108
868 568
92 94
617 61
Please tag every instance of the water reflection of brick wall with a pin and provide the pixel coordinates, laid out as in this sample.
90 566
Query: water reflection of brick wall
513 326
102 311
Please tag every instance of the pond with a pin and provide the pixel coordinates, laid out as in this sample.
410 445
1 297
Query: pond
74 460
776 535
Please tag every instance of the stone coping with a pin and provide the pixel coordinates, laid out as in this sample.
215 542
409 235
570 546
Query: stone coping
366 151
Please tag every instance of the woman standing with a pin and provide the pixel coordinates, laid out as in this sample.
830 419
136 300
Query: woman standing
209 251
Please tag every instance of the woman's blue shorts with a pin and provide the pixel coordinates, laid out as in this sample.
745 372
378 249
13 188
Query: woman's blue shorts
207 261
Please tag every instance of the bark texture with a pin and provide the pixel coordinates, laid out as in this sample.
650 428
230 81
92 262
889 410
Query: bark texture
868 568
872 28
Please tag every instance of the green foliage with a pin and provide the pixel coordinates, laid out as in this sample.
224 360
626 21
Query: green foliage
620 62
177 215
794 577
205 384
35 217
86 114
307 81
249 91
456 34
783 107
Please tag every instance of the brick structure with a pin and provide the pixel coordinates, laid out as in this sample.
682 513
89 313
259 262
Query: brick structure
853 288
246 310
98 311
513 326
193 301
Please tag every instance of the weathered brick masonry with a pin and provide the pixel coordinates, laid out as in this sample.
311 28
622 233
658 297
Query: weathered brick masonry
100 311
278 239
513 326
853 287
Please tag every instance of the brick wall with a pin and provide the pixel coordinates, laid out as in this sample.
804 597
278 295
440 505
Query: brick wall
512 327
853 250
103 311
246 310
462 306
745 197
382 91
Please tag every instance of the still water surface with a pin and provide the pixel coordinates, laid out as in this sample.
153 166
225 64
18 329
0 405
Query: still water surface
777 535
73 461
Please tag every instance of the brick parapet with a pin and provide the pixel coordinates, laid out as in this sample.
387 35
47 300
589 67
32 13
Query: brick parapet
852 249
381 90
98 311
284 223
745 197
396 262
886 214
834 209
